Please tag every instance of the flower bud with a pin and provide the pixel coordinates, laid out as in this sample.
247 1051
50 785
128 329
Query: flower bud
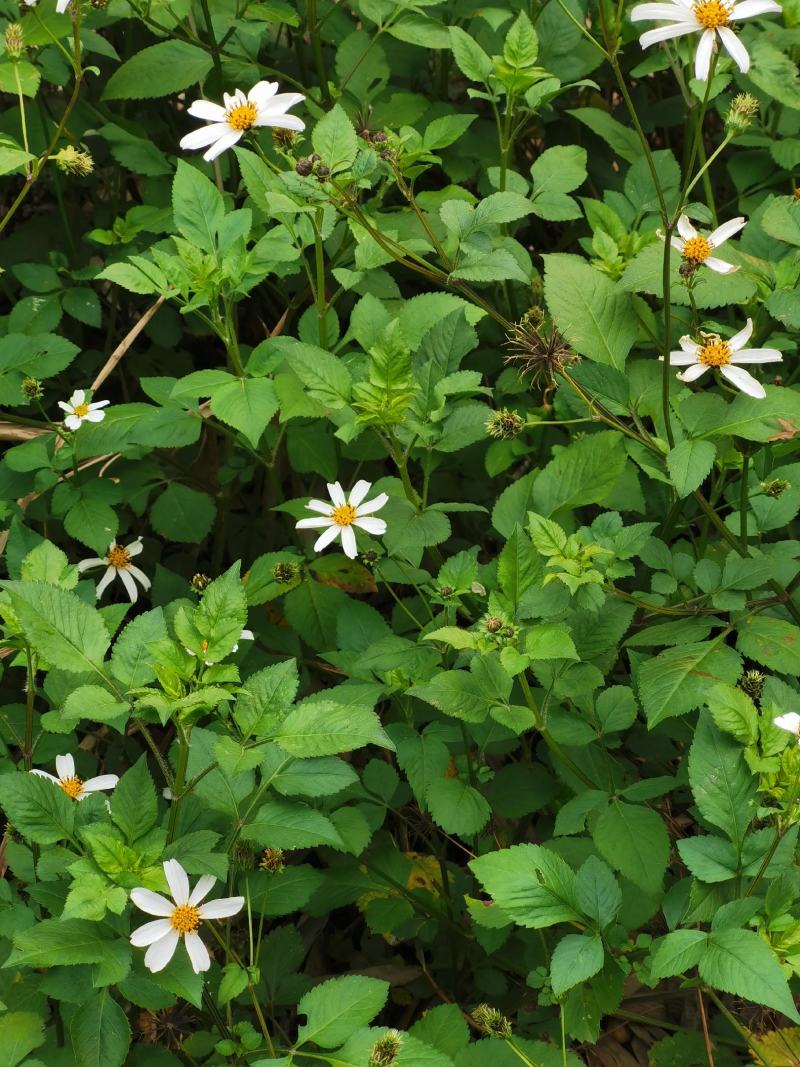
303 167
776 487
504 424
74 161
200 582
752 682
386 1049
284 573
32 388
14 40
491 1021
740 114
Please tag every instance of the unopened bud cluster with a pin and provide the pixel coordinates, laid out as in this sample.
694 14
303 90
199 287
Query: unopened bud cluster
312 165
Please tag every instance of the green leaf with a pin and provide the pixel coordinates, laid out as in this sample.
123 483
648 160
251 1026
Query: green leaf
197 206
131 661
324 728
742 963
160 70
678 680
65 631
247 405
55 941
592 312
470 58
100 1032
734 712
221 614
678 952
582 473
23 1031
534 886
457 806
555 173
597 892
521 45
93 523
621 139
133 802
519 567
94 703
324 375
334 139
551 640
290 824
774 643
338 1007
722 785
183 514
634 841
575 958
689 464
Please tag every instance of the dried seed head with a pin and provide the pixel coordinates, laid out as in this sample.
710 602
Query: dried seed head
283 138
386 1049
200 582
284 573
538 352
504 424
775 487
752 682
243 857
74 161
272 860
688 267
491 1021
32 388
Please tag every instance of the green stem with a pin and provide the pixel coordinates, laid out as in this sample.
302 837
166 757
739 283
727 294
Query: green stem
180 781
312 25
743 505
553 745
214 49
30 694
319 289
666 368
740 1030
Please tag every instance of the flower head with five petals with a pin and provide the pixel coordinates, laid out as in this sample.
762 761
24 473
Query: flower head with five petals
230 121
73 786
337 518
698 356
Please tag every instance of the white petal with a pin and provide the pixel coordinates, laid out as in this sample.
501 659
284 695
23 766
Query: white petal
349 542
95 416
702 57
283 122
130 586
280 104
202 889
682 359
315 523
99 404
376 504
62 5
691 374
327 537
135 547
757 355
46 774
86 564
64 406
358 492
726 231
65 767
161 952
689 345
262 93
750 9
740 339
336 493
78 397
102 781
206 135
662 12
205 109
152 903
719 265
319 505
743 380
198 953
735 49
105 581
685 228
376 527
223 144
140 576
676 243
247 635
666 33
150 932
790 721
178 881
73 422
222 908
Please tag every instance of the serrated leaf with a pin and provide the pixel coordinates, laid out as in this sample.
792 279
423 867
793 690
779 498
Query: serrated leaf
742 963
689 464
160 70
339 1006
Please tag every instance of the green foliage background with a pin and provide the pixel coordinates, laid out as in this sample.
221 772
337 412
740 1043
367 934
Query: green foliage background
521 751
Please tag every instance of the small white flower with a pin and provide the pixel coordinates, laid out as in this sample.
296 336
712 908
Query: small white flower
61 5
179 918
118 562
263 106
707 17
790 722
725 355
72 785
79 411
245 635
343 514
697 249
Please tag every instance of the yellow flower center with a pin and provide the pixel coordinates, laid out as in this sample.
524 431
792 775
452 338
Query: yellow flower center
185 919
81 410
119 558
711 14
697 249
242 117
344 515
73 786
715 353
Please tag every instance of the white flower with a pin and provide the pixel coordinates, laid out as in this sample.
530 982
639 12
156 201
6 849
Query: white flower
261 107
697 249
725 355
179 918
245 635
78 411
790 722
342 515
118 562
61 5
72 785
707 17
